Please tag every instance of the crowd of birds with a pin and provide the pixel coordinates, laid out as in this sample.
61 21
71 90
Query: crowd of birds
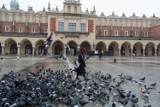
47 87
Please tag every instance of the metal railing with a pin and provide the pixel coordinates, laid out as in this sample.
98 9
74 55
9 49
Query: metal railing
32 35
126 38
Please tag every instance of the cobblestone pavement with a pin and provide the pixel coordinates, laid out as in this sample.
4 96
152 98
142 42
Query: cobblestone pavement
139 67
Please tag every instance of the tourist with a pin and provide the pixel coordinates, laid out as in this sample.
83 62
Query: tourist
81 68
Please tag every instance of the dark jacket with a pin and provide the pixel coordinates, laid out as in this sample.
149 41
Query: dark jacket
81 69
81 60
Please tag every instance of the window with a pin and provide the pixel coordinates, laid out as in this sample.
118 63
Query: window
116 33
20 30
105 32
45 30
69 9
61 26
33 30
126 33
6 29
136 34
72 27
75 9
83 27
146 34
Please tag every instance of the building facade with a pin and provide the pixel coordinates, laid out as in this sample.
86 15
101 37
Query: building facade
24 32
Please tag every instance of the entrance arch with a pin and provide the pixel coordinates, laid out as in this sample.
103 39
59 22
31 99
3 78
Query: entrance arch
138 49
113 49
101 46
26 47
126 49
149 50
38 47
57 48
73 47
10 47
86 46
13 49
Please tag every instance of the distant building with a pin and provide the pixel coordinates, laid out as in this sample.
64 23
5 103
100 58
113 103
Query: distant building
24 32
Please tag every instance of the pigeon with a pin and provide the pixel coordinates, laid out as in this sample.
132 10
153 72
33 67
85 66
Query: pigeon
83 103
142 79
128 94
153 85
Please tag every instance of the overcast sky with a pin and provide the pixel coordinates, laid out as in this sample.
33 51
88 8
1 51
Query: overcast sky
139 7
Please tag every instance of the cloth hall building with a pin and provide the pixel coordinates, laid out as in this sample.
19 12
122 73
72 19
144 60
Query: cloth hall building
24 32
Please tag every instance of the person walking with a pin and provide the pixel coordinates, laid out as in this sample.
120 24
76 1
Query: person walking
80 70
101 52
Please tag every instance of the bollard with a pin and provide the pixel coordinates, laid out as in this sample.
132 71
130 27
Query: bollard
114 60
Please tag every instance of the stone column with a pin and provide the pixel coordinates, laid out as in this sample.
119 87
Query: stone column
106 48
64 52
131 50
119 51
18 53
3 50
155 51
33 50
143 50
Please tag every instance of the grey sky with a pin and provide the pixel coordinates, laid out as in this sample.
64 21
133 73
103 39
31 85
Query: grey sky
139 7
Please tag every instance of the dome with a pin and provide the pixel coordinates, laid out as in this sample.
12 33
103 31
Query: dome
14 4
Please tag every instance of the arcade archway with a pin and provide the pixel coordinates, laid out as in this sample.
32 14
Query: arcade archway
10 47
113 49
38 47
150 50
138 49
57 48
86 46
126 49
26 47
101 46
73 48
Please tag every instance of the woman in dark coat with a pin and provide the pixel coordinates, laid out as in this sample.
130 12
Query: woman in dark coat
81 68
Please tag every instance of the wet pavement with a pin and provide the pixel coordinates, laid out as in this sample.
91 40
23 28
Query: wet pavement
139 67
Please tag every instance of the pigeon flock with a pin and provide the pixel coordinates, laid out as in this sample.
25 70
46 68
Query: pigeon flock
48 88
